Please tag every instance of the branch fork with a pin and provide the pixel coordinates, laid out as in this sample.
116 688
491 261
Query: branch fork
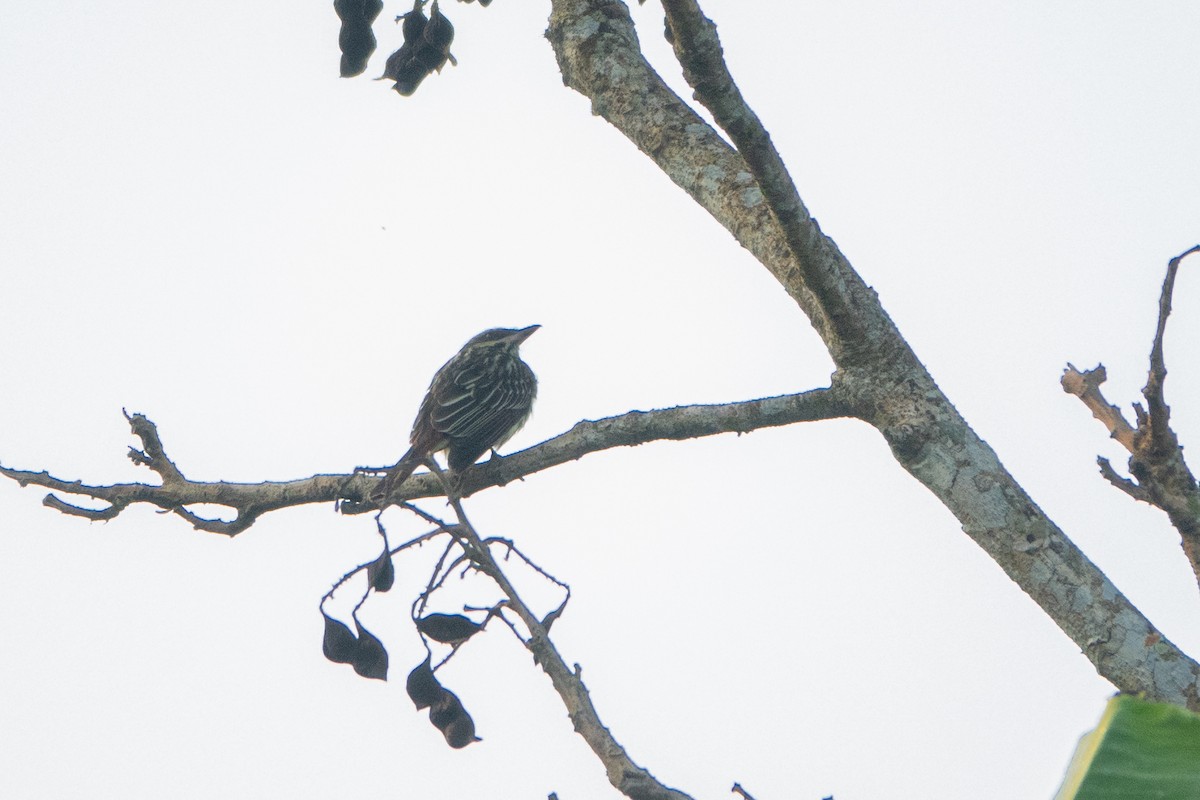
1161 476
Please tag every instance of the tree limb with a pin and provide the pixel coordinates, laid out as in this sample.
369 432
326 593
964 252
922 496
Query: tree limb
354 490
629 778
1124 484
1157 460
1163 478
825 272
1086 386
599 56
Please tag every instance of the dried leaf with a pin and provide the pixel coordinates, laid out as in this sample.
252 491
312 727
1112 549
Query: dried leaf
448 628
381 574
426 48
449 716
461 731
401 65
445 710
339 644
414 23
437 37
370 657
356 39
423 688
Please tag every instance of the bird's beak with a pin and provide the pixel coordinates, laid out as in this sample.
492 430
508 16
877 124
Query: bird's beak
523 334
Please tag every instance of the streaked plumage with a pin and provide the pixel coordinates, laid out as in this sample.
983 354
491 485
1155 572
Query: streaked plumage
476 402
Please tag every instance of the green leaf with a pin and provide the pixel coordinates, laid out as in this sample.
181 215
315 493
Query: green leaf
1139 750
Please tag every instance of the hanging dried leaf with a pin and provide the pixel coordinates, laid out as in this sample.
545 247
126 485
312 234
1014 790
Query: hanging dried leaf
461 731
381 574
449 716
356 39
426 48
370 657
445 709
339 644
423 688
448 628
414 23
437 37
402 66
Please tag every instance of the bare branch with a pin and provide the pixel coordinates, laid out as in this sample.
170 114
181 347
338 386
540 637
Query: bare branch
1086 386
1159 414
249 501
624 774
699 52
883 380
1163 477
599 56
1124 484
1157 461
152 454
95 515
737 789
670 424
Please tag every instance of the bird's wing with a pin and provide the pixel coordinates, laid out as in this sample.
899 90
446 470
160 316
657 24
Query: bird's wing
481 410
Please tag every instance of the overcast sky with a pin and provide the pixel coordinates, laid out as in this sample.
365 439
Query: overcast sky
200 221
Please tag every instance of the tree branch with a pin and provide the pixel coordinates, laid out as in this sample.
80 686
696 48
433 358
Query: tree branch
737 789
624 774
599 56
1124 484
824 270
1156 459
251 500
1086 386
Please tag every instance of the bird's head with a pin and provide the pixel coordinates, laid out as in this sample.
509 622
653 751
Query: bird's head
511 337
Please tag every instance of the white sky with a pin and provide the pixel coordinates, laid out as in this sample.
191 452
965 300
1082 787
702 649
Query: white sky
200 221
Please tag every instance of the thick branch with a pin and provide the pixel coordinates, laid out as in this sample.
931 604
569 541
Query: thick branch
599 55
251 500
825 272
823 269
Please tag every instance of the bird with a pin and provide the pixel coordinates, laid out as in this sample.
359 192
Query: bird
476 402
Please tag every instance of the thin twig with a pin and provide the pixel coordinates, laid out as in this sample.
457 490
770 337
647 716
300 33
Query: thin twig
1159 413
1127 486
737 789
629 778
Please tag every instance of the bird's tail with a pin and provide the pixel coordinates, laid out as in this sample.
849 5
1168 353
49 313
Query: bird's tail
397 475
